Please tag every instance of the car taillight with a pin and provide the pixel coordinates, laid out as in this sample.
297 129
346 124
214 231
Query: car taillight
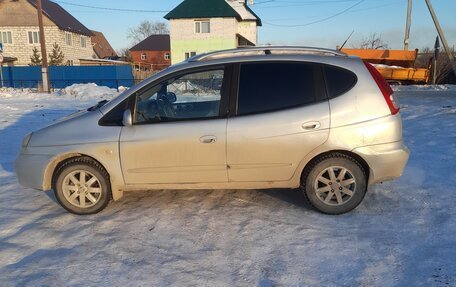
384 87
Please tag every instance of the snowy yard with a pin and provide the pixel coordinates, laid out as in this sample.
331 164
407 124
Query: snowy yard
403 234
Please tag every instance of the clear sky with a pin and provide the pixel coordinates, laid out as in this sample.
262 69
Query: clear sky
289 22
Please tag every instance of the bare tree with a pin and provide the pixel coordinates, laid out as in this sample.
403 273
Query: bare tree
124 53
373 42
145 29
443 71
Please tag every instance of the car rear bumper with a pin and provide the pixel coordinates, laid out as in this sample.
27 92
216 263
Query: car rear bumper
386 161
30 169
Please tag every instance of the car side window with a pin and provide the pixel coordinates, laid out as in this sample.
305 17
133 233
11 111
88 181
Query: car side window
195 95
338 80
267 87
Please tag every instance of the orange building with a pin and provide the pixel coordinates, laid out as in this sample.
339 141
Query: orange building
152 54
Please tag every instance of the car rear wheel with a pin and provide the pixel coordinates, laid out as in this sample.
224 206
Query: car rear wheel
81 186
334 184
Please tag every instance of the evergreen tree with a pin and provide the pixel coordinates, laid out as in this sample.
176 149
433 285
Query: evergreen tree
57 57
35 59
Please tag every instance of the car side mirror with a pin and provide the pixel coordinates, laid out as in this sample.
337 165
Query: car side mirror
127 120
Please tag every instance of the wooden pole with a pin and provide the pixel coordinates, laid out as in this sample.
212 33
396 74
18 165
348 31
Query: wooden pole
44 62
408 24
436 55
442 36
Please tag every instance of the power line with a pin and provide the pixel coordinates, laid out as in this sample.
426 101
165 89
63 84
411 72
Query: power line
112 9
297 3
136 10
321 20
263 2
375 7
284 4
393 2
306 2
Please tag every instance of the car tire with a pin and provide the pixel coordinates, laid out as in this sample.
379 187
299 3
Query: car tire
81 186
334 183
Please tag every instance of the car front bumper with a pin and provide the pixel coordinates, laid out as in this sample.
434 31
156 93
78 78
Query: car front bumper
386 161
30 169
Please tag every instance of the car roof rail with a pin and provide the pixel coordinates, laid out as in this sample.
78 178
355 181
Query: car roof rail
266 50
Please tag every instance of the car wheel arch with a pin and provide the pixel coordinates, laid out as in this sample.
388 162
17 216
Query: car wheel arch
351 154
61 159
52 167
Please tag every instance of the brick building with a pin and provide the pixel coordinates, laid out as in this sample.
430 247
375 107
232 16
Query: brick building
152 54
19 31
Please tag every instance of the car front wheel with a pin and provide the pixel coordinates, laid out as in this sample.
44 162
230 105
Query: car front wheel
81 185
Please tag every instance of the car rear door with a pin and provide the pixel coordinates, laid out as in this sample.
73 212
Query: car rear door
282 114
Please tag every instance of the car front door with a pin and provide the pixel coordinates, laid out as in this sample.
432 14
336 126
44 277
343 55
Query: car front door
179 131
282 115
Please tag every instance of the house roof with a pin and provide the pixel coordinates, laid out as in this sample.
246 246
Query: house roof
258 20
101 46
105 61
153 43
242 39
62 18
211 9
244 11
8 59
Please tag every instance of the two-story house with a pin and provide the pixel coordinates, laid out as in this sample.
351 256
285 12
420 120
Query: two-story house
152 54
19 31
200 26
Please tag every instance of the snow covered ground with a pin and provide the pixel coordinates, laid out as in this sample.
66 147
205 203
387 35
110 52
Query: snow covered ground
419 88
403 234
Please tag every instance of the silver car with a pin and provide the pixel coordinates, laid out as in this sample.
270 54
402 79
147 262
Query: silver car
252 118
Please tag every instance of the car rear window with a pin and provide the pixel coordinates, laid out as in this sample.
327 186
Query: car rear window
273 86
338 80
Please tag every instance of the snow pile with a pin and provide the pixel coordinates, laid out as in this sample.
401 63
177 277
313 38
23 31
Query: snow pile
427 88
11 92
382 66
122 89
197 98
86 92
89 91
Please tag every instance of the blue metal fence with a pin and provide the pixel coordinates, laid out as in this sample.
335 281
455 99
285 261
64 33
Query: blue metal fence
63 76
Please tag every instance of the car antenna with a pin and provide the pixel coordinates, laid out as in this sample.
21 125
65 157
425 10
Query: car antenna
349 36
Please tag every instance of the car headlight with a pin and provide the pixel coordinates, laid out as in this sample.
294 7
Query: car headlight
26 140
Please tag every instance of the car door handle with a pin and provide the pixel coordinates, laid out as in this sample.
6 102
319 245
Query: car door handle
311 125
208 139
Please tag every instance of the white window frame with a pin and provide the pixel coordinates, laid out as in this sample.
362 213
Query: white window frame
190 54
8 35
33 37
143 56
68 39
167 56
199 27
83 42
